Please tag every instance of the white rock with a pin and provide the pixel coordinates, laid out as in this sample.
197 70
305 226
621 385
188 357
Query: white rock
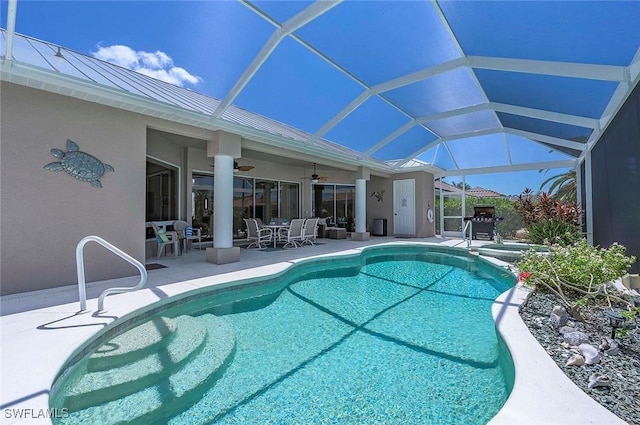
590 353
599 380
575 360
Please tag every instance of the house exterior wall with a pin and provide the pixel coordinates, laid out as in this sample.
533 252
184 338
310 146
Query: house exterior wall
384 208
44 214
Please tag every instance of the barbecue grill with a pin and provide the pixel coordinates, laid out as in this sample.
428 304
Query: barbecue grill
483 222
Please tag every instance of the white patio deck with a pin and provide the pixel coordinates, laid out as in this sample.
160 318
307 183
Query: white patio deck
40 330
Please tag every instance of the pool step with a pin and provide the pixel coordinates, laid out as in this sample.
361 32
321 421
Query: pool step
105 385
175 392
132 345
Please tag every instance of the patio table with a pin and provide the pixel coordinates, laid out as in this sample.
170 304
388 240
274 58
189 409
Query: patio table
275 230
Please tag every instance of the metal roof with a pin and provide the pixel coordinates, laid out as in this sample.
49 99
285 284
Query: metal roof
454 87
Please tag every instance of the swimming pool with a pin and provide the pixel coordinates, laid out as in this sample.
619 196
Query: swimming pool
395 335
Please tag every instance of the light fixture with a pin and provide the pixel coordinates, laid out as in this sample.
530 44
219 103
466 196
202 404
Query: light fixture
59 56
615 320
206 204
314 177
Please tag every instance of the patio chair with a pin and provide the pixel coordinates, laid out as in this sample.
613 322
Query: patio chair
165 239
310 231
187 233
292 235
258 237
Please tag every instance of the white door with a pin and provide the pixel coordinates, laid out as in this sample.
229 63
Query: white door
404 207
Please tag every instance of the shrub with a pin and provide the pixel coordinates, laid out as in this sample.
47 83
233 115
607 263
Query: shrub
575 273
547 220
553 231
504 208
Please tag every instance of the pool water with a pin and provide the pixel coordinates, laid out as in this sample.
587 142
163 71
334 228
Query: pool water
394 339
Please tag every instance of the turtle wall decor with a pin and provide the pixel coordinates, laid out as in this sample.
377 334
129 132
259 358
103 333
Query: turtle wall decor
78 164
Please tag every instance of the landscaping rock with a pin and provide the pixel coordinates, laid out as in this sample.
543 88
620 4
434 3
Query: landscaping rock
576 338
590 353
623 395
575 360
559 317
599 380
609 347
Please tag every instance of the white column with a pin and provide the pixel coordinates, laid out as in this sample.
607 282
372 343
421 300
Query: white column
588 195
361 205
223 202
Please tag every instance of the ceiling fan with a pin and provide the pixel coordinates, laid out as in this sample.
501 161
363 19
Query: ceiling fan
237 167
315 178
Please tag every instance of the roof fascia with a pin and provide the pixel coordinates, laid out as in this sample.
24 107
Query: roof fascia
26 75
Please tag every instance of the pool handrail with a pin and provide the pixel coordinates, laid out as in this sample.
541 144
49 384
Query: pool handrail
81 278
464 233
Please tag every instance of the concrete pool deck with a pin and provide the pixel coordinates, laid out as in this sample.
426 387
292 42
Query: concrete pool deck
40 330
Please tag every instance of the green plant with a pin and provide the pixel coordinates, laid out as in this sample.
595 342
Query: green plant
549 221
576 273
621 333
553 231
504 208
562 186
525 206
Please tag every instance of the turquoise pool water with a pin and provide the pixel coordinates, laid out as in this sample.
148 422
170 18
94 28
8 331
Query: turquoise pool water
395 336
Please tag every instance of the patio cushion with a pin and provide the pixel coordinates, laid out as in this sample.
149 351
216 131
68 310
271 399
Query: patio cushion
162 236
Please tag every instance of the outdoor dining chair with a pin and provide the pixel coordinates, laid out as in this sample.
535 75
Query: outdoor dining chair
165 239
310 231
292 235
187 233
258 237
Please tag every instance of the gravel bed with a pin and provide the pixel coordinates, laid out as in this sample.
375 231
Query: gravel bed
623 396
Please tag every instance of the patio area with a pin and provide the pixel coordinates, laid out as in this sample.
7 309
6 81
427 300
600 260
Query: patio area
44 328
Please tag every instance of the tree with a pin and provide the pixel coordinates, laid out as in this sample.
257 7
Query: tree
562 187
460 185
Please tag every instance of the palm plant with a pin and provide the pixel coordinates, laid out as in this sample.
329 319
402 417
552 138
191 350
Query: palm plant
562 187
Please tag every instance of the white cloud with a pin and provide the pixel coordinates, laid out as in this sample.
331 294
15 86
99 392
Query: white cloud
157 64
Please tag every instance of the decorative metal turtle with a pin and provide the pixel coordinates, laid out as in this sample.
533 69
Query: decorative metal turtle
80 165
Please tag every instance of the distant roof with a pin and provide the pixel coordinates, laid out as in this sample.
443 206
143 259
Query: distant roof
481 192
453 87
446 187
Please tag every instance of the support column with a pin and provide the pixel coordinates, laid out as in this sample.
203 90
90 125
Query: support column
223 202
224 148
361 234
588 185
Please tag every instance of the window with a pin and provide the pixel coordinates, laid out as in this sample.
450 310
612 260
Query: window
335 201
202 203
162 192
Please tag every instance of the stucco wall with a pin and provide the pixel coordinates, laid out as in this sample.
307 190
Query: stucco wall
384 209
380 209
44 213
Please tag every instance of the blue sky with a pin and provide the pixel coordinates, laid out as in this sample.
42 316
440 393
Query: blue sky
205 46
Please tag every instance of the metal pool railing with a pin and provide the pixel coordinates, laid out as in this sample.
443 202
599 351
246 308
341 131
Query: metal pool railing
81 279
468 225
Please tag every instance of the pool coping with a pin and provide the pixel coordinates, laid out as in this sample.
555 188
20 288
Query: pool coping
542 393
